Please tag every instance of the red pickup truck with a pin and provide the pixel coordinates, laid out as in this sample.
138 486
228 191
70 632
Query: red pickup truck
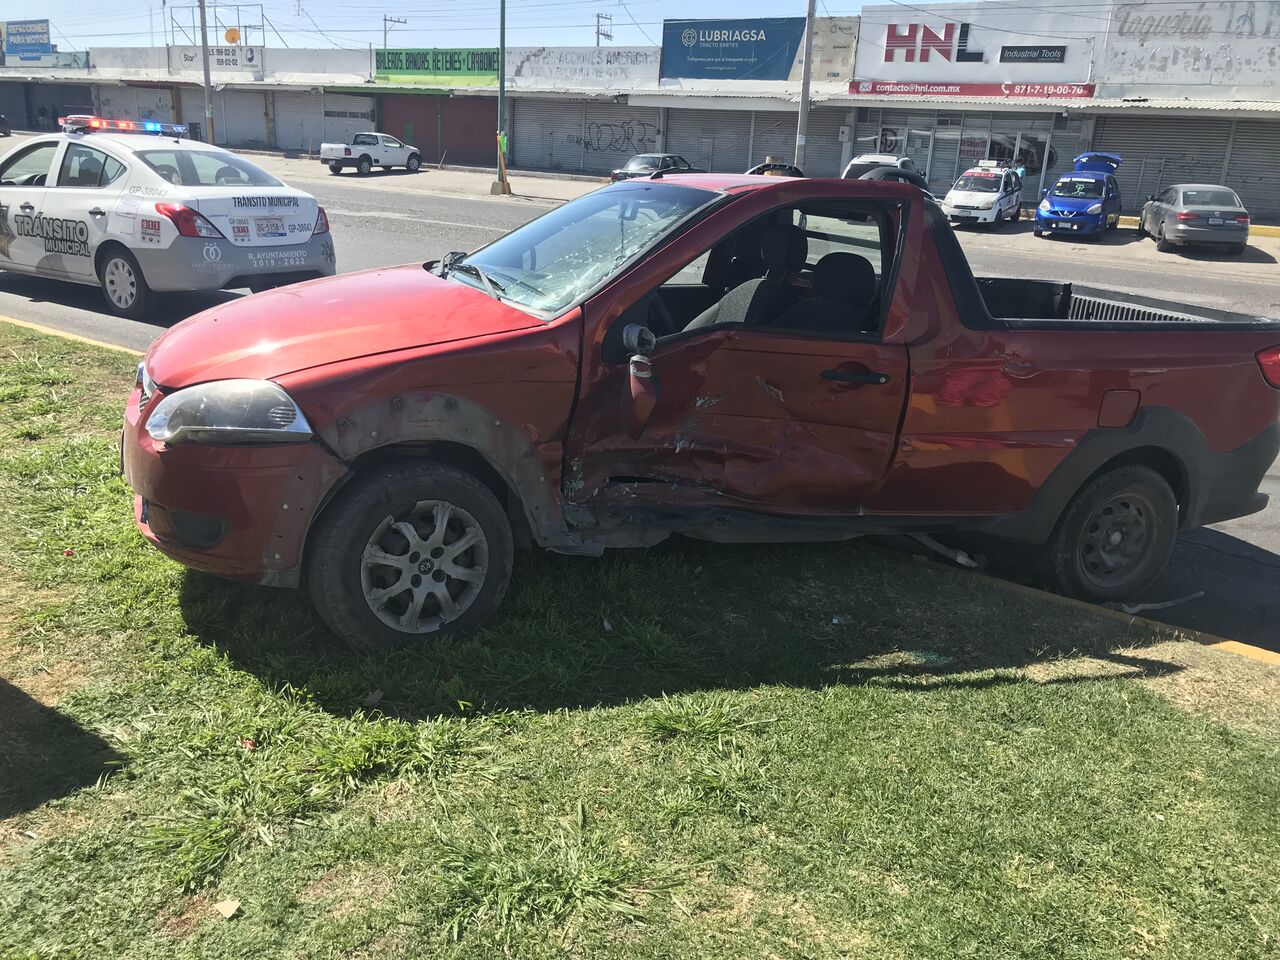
731 358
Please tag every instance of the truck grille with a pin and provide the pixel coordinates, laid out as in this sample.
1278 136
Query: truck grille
1084 307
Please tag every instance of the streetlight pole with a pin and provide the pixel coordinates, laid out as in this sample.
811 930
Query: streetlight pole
502 185
208 84
803 125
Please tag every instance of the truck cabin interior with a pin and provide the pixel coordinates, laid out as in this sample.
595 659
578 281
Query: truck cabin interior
812 267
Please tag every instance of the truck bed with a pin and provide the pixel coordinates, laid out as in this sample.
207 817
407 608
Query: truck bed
1052 305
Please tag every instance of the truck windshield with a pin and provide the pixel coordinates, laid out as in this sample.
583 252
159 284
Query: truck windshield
551 262
1078 188
978 183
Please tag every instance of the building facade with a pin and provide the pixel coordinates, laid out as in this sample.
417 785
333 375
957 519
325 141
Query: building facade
1182 89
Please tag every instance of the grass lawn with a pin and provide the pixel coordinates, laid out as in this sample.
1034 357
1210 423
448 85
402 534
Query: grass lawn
696 751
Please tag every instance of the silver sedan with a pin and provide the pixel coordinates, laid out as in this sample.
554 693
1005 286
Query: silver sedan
1190 214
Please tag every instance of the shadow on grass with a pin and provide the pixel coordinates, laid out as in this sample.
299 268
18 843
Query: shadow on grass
685 616
44 755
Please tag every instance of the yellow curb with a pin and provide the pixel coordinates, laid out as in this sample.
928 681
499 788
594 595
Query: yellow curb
1199 636
1255 229
39 328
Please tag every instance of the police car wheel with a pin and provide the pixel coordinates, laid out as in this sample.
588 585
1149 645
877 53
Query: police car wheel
413 164
123 285
364 167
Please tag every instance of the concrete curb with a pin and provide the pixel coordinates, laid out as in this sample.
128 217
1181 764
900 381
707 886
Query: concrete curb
1255 229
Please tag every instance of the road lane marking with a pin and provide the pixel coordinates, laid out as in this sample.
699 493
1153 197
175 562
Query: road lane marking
66 335
398 215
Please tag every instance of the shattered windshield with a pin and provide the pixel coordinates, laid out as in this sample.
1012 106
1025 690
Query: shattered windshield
1079 188
551 262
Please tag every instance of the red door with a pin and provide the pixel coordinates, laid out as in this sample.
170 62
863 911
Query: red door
757 419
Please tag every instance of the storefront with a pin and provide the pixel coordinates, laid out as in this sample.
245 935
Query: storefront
451 129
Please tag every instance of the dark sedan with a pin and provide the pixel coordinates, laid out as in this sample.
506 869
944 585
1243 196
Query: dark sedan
647 164
1192 214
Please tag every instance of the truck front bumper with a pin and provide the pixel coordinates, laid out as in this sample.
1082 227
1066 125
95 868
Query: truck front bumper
237 512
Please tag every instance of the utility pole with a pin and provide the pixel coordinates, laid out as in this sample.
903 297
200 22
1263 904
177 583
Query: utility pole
388 22
502 185
803 126
208 84
603 32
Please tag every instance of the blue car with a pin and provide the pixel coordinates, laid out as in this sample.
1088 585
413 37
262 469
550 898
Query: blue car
1084 202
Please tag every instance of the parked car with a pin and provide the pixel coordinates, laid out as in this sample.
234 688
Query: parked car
899 174
865 162
988 193
775 168
1196 214
1085 202
5 129
647 164
369 150
130 206
682 356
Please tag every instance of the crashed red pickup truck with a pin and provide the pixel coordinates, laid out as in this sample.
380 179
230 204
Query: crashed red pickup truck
730 358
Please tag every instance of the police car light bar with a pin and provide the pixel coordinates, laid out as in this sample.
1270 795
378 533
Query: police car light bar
82 123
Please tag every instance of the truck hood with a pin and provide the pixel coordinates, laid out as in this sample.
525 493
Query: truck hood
323 321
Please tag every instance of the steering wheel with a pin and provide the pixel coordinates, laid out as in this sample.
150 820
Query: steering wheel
658 318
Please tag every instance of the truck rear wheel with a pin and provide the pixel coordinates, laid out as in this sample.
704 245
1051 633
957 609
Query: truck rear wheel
1115 537
335 166
410 552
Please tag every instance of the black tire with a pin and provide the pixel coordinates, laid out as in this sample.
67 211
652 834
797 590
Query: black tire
1163 245
1141 228
364 166
1237 249
1114 224
1115 537
1037 232
338 576
123 285
335 166
413 163
997 221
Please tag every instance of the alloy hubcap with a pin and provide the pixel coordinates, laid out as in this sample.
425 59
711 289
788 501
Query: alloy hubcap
424 567
121 284
1116 540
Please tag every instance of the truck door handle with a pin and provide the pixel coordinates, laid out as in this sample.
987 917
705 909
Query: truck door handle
26 206
843 376
97 212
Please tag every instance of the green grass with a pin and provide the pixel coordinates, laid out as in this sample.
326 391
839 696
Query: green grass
692 751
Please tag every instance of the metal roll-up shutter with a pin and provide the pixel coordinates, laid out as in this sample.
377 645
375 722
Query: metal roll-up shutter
714 140
774 135
548 134
345 116
299 121
947 131
615 133
823 148
244 118
1252 168
1158 151
191 104
866 132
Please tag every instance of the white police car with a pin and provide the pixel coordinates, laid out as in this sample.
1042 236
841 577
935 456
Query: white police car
130 206
987 193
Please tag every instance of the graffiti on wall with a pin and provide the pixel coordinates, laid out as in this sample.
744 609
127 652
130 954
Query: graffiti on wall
630 136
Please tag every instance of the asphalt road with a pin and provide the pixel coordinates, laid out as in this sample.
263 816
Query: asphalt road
398 218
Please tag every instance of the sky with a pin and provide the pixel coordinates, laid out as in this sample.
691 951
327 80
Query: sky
79 24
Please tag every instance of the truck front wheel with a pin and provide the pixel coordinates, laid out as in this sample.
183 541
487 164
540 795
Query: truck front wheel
1115 537
409 552
364 166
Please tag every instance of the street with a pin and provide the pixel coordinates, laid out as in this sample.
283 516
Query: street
392 218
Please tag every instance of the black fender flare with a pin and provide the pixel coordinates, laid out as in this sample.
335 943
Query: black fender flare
1162 429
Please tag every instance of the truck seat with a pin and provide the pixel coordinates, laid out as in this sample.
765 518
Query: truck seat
784 250
844 286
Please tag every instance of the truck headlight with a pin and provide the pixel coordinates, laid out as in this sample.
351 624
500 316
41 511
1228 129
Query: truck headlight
1044 205
1096 208
229 412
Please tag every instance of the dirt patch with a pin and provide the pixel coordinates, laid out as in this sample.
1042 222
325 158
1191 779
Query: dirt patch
46 682
183 924
347 894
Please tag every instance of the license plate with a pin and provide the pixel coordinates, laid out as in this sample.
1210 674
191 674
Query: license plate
269 227
1215 221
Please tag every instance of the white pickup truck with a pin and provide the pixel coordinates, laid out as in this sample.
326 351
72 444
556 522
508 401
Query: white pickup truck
369 150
